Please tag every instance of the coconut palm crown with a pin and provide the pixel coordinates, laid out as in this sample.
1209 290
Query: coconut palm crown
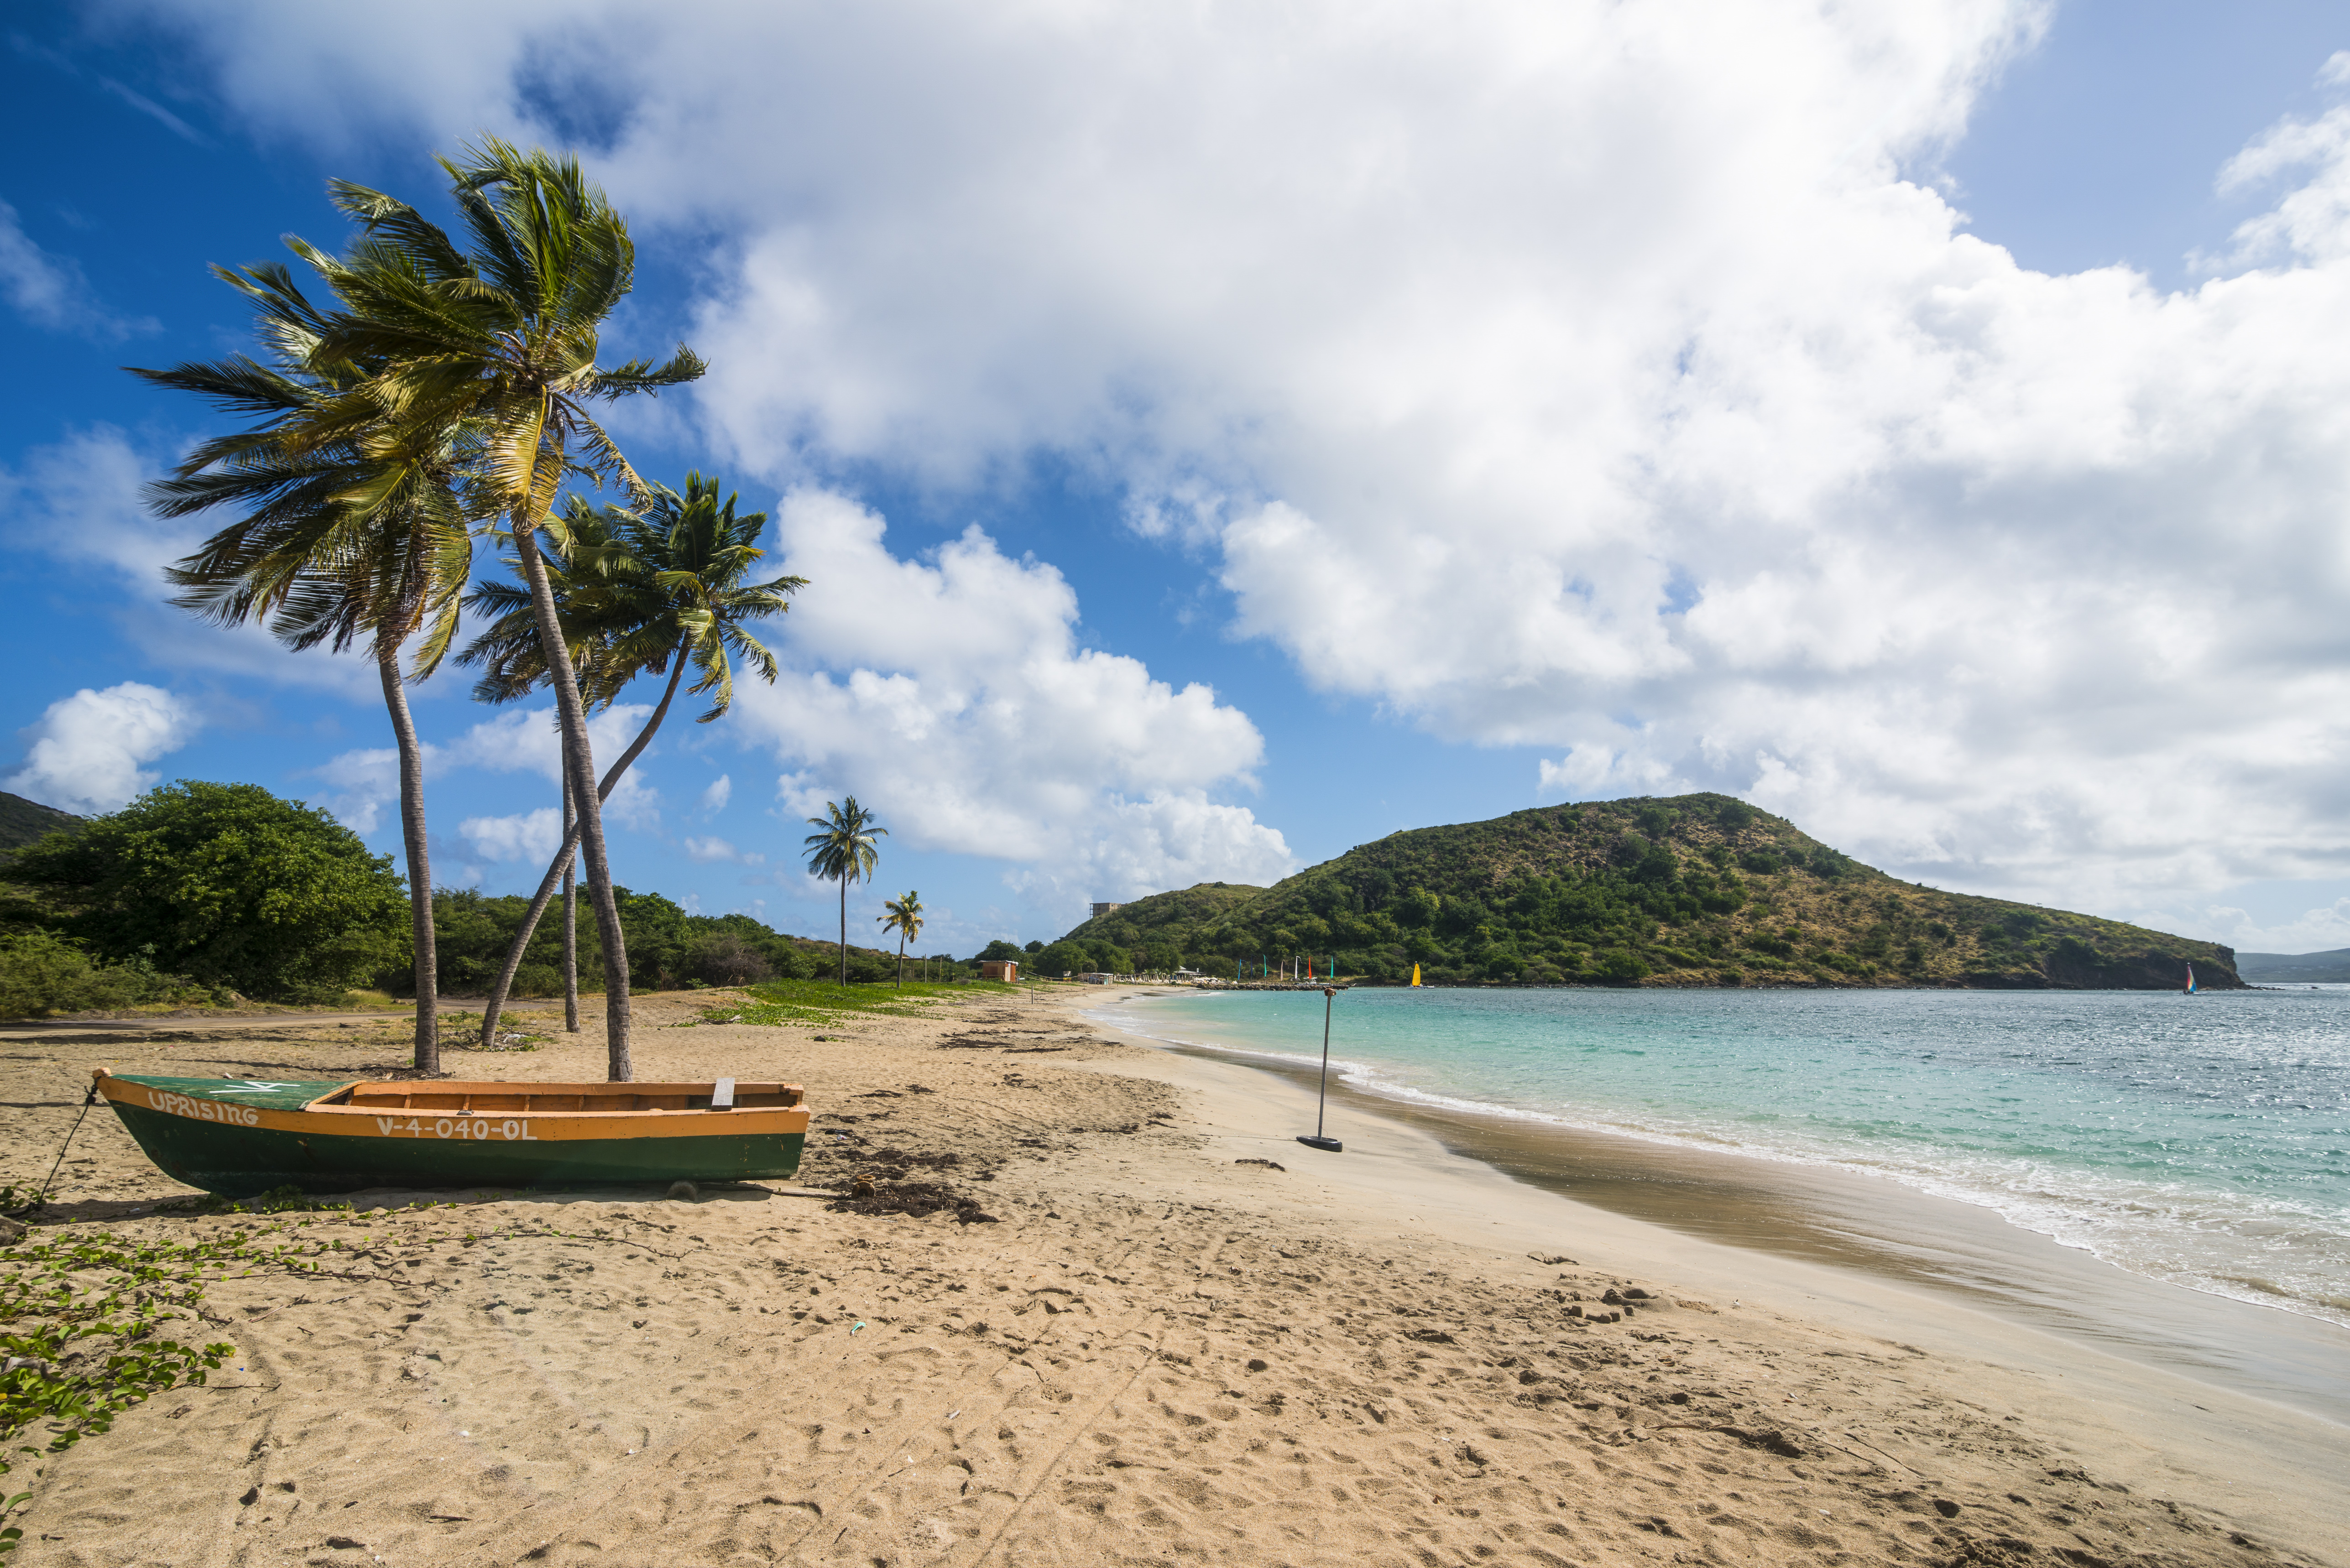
368 535
506 333
637 592
904 917
634 589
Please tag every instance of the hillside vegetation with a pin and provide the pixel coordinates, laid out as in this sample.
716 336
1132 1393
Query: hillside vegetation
2329 967
1699 890
23 821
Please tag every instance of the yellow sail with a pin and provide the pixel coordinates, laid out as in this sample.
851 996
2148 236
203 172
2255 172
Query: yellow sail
1415 974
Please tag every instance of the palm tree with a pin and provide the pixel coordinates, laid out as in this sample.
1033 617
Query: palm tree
637 592
842 850
502 338
366 537
905 917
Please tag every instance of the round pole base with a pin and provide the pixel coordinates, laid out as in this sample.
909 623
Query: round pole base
1328 1144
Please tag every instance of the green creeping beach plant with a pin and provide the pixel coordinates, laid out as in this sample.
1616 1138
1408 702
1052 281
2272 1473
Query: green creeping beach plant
81 1316
78 1327
277 1200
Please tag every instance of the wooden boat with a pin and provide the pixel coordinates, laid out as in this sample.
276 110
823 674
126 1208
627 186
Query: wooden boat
240 1137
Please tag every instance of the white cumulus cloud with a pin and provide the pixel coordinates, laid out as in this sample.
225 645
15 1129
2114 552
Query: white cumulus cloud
952 698
530 837
1606 379
84 753
721 791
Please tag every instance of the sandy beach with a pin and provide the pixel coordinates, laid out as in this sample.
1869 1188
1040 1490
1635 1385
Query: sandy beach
1156 1330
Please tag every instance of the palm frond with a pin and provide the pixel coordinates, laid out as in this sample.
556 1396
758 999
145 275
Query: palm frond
401 224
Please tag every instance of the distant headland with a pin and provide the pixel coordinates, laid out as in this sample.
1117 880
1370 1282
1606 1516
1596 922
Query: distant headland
2330 967
1694 889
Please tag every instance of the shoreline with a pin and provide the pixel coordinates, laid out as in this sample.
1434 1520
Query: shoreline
1838 1214
1694 982
1859 1285
1149 1353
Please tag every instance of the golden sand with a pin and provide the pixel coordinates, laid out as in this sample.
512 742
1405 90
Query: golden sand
1154 1353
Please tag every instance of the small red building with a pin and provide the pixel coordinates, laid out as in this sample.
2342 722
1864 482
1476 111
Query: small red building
1005 970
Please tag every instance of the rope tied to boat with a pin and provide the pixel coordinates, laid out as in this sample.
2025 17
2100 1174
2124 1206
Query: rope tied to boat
41 1194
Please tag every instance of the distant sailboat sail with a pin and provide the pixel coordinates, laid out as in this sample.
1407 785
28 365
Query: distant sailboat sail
2190 979
1415 974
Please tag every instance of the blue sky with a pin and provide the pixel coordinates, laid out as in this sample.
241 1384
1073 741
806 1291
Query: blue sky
1219 441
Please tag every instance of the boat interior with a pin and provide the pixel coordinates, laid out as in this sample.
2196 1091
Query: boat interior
449 1098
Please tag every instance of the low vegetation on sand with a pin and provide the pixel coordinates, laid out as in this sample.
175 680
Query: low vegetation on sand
825 1003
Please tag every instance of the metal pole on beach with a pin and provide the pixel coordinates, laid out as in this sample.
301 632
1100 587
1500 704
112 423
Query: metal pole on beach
1329 999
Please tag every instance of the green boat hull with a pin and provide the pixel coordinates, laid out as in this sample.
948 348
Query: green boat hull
236 1161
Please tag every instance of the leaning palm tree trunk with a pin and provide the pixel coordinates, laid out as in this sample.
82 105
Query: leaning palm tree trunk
560 870
579 766
844 928
570 918
420 858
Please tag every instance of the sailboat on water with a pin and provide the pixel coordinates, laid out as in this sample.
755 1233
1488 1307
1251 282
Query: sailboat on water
2190 979
1415 974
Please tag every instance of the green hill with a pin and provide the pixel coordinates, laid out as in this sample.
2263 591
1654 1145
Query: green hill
1171 916
1699 890
2330 967
21 821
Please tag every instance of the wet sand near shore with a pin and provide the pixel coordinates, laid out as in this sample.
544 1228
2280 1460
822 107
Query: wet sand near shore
1849 1220
1148 1353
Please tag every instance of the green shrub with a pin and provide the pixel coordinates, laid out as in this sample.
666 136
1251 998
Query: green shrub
668 950
42 973
725 958
537 979
1068 958
1621 966
227 883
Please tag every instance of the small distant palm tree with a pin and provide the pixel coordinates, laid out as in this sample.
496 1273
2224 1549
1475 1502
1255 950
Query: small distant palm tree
637 592
905 917
364 538
842 850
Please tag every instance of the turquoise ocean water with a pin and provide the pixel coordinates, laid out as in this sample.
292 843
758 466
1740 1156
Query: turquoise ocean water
2204 1141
